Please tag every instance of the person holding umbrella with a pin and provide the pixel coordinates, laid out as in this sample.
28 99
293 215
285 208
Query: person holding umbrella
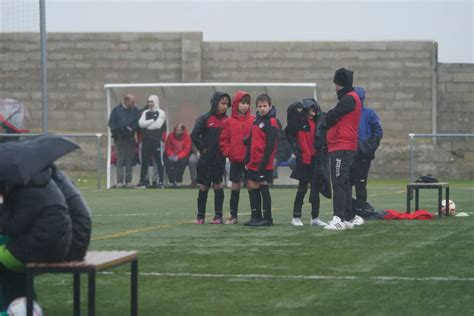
35 224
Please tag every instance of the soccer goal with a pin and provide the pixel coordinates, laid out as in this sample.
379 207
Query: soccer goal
184 102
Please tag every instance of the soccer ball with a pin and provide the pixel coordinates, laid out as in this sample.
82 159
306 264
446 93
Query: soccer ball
452 207
18 308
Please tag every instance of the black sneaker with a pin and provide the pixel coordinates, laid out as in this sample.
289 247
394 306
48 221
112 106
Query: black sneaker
266 222
253 222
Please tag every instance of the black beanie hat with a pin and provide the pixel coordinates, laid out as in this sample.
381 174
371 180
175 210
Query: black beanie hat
343 77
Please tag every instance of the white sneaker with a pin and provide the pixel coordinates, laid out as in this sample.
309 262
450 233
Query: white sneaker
317 222
349 224
335 224
357 220
296 221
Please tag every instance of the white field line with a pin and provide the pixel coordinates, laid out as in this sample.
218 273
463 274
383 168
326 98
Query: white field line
303 277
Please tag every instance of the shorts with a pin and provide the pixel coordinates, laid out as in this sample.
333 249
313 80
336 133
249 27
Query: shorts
257 177
237 172
210 172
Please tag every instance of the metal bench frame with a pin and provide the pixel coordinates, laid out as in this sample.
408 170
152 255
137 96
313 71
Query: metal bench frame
416 186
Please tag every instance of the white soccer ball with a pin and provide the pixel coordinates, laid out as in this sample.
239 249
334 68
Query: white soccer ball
451 207
18 308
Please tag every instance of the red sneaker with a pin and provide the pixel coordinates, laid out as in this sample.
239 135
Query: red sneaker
216 220
199 221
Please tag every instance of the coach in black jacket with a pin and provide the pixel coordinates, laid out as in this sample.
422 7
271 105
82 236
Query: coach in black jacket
211 165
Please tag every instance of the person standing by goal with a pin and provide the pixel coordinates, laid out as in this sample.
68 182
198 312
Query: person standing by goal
211 164
235 131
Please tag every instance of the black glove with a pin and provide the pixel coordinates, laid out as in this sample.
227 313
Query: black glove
295 149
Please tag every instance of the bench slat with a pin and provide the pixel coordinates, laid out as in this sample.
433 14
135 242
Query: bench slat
94 260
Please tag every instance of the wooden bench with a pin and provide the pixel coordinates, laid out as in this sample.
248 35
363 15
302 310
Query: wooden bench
416 186
94 261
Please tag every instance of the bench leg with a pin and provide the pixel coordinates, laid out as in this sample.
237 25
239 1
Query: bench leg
447 200
29 293
77 294
134 288
417 199
91 293
409 197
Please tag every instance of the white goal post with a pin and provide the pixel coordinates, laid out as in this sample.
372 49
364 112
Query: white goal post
178 99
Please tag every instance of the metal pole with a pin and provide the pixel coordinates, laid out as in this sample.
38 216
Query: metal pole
44 67
109 140
99 158
412 145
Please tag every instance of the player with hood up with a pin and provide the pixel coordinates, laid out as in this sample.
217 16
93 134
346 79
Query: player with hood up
235 132
211 165
301 134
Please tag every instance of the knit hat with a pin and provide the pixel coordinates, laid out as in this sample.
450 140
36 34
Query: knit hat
343 77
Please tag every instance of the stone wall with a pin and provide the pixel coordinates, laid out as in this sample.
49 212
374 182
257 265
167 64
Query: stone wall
398 77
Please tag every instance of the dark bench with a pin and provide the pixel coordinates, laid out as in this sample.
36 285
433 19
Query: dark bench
94 261
416 186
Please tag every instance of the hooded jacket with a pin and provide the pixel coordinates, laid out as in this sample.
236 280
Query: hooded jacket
36 218
263 142
80 216
153 122
207 129
343 121
180 147
235 130
370 130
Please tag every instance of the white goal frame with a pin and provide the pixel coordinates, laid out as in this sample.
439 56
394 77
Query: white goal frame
110 86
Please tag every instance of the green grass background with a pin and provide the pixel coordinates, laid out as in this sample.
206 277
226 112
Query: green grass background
222 258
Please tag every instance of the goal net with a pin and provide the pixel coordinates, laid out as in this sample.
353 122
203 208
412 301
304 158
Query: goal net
184 102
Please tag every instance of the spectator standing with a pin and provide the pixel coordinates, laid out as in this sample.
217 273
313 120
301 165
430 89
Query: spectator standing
177 150
123 124
342 138
370 134
151 122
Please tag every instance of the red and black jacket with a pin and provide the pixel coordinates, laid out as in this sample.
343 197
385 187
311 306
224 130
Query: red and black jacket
207 129
235 130
263 142
343 121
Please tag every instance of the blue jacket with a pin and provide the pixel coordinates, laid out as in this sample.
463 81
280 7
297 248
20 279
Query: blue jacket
370 130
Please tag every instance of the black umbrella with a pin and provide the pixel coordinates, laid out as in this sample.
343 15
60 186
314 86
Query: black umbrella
21 161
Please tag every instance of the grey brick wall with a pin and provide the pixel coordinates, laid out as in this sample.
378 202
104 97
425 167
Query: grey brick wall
398 76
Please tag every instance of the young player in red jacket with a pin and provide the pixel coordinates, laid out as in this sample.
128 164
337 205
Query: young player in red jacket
211 165
301 134
235 130
260 154
342 138
177 150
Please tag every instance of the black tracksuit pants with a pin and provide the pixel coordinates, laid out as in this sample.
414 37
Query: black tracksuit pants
149 149
341 162
359 174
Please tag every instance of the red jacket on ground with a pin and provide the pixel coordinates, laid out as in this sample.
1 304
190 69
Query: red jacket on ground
234 130
180 147
343 134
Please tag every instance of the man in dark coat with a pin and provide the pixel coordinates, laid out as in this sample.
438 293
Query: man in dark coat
123 124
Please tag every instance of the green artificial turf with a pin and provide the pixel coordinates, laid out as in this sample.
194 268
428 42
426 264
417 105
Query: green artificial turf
381 268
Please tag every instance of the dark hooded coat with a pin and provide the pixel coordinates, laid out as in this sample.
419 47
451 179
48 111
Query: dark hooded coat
36 218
